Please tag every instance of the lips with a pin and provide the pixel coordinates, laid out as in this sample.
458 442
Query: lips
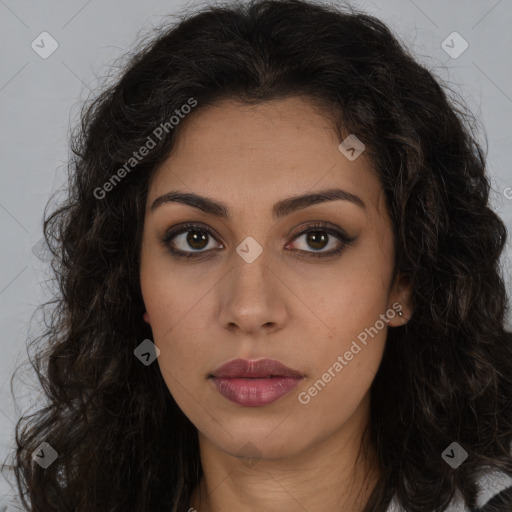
243 368
254 383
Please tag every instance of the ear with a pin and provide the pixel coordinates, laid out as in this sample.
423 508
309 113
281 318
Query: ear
400 300
146 317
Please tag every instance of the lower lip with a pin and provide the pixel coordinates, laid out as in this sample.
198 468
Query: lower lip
254 392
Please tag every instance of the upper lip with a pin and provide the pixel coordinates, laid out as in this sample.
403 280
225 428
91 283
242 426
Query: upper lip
254 368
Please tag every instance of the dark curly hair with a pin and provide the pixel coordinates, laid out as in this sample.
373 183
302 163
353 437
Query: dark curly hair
445 376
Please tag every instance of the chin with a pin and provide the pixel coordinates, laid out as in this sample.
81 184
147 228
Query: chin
258 444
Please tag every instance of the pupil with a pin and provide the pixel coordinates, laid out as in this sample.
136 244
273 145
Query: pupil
194 238
317 239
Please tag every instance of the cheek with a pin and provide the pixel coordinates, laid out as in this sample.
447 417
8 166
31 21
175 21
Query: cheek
173 298
178 333
179 368
172 315
362 285
347 300
343 373
352 306
181 359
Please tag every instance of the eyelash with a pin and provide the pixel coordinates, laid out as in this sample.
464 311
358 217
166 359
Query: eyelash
319 226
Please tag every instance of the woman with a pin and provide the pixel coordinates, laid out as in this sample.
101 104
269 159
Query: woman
280 283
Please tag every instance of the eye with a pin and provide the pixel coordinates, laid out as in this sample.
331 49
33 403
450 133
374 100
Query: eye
184 237
194 240
318 237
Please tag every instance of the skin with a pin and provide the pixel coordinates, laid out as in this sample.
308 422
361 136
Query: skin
285 305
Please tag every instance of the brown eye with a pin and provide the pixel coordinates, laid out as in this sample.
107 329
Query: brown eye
196 239
189 240
315 240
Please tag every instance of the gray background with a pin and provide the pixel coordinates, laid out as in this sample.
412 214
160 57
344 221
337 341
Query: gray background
40 98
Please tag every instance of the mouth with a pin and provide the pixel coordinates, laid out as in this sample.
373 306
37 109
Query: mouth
254 383
256 368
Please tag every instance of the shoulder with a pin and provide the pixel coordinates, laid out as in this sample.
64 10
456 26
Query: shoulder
494 488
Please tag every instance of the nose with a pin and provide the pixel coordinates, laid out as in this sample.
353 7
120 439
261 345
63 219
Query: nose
253 298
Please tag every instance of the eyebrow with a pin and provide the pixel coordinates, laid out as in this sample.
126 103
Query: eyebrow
280 209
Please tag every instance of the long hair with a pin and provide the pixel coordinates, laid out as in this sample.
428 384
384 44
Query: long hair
123 444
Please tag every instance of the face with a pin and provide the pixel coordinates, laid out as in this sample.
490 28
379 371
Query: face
302 282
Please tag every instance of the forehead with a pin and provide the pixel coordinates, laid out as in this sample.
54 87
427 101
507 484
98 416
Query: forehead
261 153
